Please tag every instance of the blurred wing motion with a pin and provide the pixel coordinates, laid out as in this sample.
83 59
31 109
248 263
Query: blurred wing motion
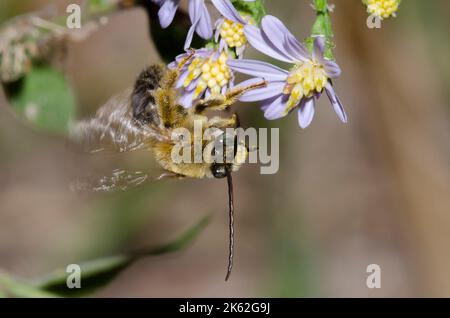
113 129
118 180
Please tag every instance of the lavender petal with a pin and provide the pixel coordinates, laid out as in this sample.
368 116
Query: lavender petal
181 79
306 112
222 45
255 38
167 12
240 51
218 26
204 28
190 35
331 68
296 49
271 90
319 48
226 8
276 109
336 103
186 99
277 33
258 69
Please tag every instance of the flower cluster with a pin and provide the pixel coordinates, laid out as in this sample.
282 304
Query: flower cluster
383 8
206 74
211 70
230 28
299 86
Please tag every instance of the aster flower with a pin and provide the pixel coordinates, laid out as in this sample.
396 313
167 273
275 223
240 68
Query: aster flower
198 13
296 88
382 8
205 75
230 28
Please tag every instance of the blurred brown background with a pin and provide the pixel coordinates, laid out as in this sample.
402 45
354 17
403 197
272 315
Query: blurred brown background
346 196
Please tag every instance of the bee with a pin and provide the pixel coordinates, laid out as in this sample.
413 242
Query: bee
147 117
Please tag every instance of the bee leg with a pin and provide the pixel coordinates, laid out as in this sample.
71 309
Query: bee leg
186 59
222 102
172 75
214 103
235 93
169 111
169 175
221 123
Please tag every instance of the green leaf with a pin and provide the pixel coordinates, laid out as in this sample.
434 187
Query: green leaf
45 99
14 287
97 273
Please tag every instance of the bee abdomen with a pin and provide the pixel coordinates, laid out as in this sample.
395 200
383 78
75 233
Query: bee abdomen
142 99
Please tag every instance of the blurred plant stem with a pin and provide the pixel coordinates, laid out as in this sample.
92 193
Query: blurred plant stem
95 273
12 286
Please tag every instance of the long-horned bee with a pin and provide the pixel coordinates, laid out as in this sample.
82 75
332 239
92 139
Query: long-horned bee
149 117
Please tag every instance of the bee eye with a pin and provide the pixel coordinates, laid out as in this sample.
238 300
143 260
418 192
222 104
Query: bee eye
219 171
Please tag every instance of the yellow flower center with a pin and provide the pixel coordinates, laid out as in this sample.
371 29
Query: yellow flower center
233 34
214 74
383 8
306 79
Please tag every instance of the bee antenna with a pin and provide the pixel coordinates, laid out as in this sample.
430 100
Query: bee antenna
231 224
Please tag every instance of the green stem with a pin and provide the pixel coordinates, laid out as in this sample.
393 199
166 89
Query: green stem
322 26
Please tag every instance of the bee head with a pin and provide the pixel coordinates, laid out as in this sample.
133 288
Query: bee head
219 170
230 154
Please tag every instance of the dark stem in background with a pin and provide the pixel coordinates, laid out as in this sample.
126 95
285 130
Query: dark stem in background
231 223
170 41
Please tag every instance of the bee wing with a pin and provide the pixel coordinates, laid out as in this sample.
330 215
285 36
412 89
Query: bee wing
110 172
120 142
118 180
113 128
